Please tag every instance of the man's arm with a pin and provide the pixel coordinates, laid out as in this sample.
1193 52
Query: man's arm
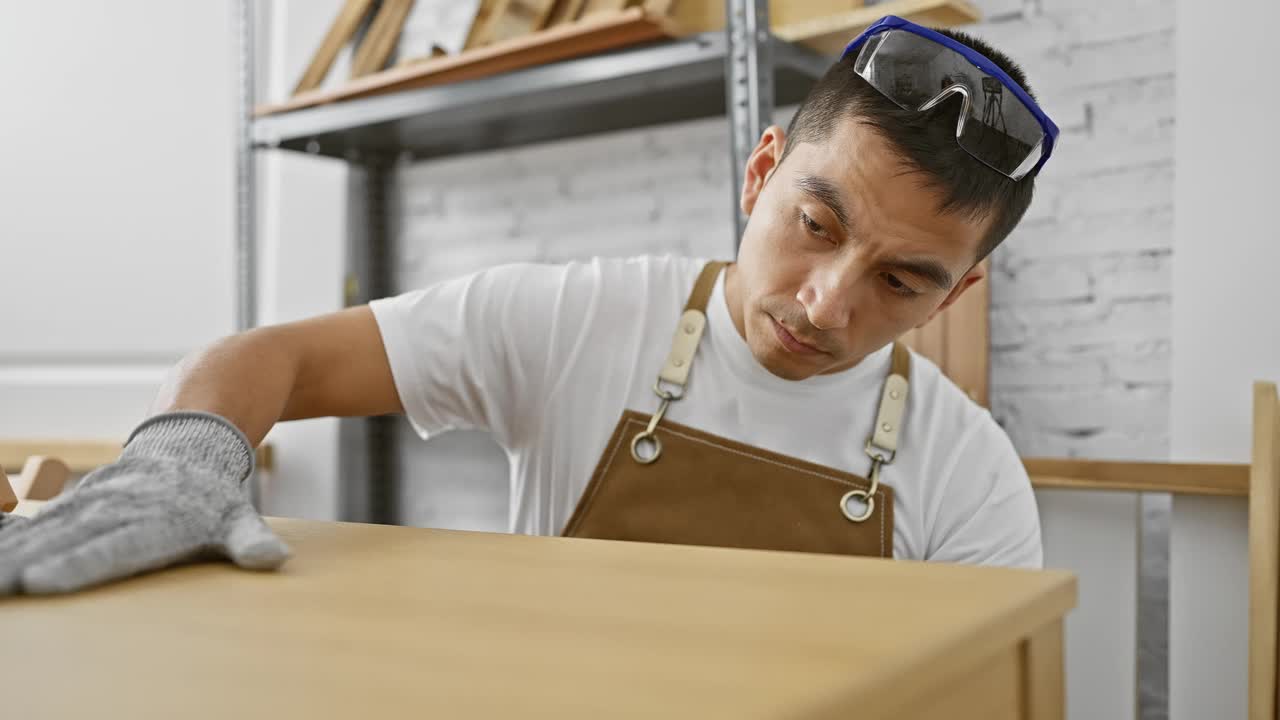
329 365
176 492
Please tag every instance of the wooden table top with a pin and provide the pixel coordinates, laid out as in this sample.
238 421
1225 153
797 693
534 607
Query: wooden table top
430 623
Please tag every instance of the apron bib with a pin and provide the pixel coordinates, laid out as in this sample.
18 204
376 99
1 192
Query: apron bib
660 481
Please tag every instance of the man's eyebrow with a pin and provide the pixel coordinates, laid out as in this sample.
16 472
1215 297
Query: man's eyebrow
930 270
825 192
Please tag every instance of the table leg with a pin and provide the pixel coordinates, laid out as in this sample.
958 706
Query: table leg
1044 688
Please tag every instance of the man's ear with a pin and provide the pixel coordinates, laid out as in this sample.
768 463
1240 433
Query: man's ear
761 164
976 273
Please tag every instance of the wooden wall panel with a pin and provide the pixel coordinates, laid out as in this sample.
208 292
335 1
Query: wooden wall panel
958 340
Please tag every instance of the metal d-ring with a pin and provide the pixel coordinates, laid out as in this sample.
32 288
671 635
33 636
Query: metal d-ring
867 496
650 433
635 447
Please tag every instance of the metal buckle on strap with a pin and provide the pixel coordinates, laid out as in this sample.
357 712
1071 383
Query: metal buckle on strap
867 496
882 445
675 371
649 434
877 453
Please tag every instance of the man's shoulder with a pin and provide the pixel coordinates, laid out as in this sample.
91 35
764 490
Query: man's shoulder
631 277
639 266
955 413
650 269
628 279
596 294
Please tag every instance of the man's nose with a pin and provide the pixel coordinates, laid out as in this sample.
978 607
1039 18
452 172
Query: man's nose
827 296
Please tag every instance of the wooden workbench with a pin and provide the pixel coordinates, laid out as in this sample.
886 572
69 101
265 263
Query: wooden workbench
379 621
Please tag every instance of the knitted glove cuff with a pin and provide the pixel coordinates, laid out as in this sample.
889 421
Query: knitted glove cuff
201 439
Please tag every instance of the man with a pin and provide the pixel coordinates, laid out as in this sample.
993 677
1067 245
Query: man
783 414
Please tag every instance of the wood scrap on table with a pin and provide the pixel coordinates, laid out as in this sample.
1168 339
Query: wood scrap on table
8 498
42 478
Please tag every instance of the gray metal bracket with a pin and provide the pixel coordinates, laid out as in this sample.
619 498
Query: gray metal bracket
246 241
748 90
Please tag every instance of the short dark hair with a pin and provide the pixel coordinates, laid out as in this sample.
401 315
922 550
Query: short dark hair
925 140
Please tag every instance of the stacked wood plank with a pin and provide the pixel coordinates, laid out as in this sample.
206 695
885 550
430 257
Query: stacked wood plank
585 35
508 35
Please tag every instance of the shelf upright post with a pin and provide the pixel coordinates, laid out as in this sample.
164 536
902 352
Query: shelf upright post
368 454
246 255
367 446
245 250
748 90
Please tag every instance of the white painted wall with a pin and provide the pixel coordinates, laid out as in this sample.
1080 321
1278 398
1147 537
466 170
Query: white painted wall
1227 237
117 228
117 219
1227 255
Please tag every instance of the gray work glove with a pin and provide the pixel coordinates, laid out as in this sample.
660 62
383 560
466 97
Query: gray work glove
174 495
9 520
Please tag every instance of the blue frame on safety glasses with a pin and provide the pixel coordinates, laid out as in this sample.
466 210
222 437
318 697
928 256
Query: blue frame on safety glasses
989 138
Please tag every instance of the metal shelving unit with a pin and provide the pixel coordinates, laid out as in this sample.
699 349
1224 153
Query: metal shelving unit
655 84
739 73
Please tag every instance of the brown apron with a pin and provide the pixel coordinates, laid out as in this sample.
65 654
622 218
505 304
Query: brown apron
659 481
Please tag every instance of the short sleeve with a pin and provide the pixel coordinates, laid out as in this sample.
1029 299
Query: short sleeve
473 352
987 514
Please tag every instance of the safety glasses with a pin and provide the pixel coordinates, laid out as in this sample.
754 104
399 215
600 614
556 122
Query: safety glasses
918 68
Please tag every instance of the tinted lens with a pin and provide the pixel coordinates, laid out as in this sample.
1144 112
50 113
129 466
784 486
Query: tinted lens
1001 131
911 70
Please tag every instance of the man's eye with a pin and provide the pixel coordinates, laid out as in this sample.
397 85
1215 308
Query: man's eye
809 224
897 285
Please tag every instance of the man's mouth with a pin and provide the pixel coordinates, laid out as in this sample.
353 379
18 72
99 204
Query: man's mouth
791 342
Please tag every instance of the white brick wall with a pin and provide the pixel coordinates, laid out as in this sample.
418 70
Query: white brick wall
641 191
1080 292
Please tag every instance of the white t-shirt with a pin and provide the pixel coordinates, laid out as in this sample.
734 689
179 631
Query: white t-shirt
547 357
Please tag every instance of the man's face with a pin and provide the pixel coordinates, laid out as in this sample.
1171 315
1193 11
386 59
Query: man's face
846 249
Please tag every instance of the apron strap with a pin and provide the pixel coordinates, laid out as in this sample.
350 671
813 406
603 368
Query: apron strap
704 285
689 330
883 443
893 404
